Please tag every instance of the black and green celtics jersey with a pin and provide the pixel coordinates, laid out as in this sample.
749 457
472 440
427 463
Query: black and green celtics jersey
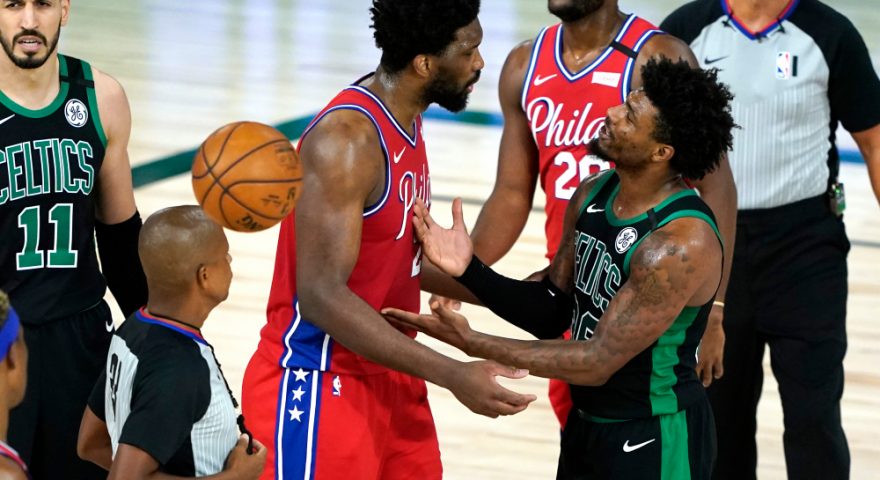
661 379
49 163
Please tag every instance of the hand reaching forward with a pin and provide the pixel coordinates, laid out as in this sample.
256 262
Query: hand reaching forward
475 387
450 249
442 323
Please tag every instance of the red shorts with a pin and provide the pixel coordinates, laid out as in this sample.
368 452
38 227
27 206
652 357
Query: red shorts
325 425
560 395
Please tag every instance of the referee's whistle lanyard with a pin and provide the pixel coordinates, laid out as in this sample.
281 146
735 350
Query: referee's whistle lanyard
240 420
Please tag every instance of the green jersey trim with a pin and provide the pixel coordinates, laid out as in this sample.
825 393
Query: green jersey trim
674 459
619 222
93 103
671 217
48 109
600 183
697 214
664 358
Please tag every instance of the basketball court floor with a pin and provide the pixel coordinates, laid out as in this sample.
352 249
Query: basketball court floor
191 66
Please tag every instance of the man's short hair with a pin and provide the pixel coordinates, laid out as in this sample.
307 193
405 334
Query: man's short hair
406 28
693 114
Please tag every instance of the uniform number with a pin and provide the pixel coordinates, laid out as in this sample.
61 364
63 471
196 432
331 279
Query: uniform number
588 165
61 256
114 380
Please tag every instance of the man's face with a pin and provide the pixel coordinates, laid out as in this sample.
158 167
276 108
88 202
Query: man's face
458 70
627 136
219 269
29 29
573 10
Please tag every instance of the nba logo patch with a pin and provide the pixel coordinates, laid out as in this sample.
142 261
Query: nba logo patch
337 386
786 65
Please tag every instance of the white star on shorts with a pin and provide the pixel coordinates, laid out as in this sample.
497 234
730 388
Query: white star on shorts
295 414
301 375
298 393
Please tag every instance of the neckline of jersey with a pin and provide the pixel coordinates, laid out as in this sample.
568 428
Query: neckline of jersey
617 222
378 101
190 332
768 29
48 109
560 64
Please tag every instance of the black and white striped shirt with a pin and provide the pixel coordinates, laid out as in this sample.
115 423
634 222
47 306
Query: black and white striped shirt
793 82
163 393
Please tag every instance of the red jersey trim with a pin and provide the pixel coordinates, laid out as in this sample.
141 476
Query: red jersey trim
571 77
414 139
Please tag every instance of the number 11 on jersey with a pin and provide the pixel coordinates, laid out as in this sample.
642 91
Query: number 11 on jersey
61 256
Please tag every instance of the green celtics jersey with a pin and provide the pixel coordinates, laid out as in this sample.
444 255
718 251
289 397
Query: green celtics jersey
49 163
661 379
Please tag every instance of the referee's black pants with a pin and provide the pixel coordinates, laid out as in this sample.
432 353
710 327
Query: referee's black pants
65 358
788 291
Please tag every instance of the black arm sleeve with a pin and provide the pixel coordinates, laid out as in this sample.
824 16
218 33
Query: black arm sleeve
539 308
117 247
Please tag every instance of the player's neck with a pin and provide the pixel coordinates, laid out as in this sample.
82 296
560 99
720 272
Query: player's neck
596 30
403 99
31 88
643 189
756 14
184 312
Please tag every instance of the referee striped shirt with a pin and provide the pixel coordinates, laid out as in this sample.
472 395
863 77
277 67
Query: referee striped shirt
162 392
794 82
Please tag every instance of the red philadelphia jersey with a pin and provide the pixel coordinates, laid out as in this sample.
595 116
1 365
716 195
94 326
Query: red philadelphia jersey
387 270
566 109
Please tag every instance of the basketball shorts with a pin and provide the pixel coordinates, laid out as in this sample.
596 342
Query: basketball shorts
679 446
325 425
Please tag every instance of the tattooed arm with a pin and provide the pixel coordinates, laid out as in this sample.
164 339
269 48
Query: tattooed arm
676 266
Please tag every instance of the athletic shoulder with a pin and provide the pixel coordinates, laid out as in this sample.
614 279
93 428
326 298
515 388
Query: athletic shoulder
113 105
687 21
340 134
9 470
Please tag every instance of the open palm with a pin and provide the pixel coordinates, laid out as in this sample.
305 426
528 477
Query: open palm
450 249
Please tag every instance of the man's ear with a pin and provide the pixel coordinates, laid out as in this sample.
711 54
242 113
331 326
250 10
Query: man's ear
423 65
202 276
663 153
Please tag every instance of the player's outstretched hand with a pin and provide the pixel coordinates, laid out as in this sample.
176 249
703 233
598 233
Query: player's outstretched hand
450 249
442 323
246 466
476 388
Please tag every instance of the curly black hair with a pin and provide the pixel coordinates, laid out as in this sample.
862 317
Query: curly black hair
406 28
693 114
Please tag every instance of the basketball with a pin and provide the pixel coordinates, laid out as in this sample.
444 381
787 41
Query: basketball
246 176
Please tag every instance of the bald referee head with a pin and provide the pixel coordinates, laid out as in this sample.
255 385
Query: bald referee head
186 260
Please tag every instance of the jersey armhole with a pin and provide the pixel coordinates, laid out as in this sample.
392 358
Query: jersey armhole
675 216
533 63
93 102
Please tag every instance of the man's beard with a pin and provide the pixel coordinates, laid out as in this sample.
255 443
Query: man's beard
597 150
30 61
444 92
576 9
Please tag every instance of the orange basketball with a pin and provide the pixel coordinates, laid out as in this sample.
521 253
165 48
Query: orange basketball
247 176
